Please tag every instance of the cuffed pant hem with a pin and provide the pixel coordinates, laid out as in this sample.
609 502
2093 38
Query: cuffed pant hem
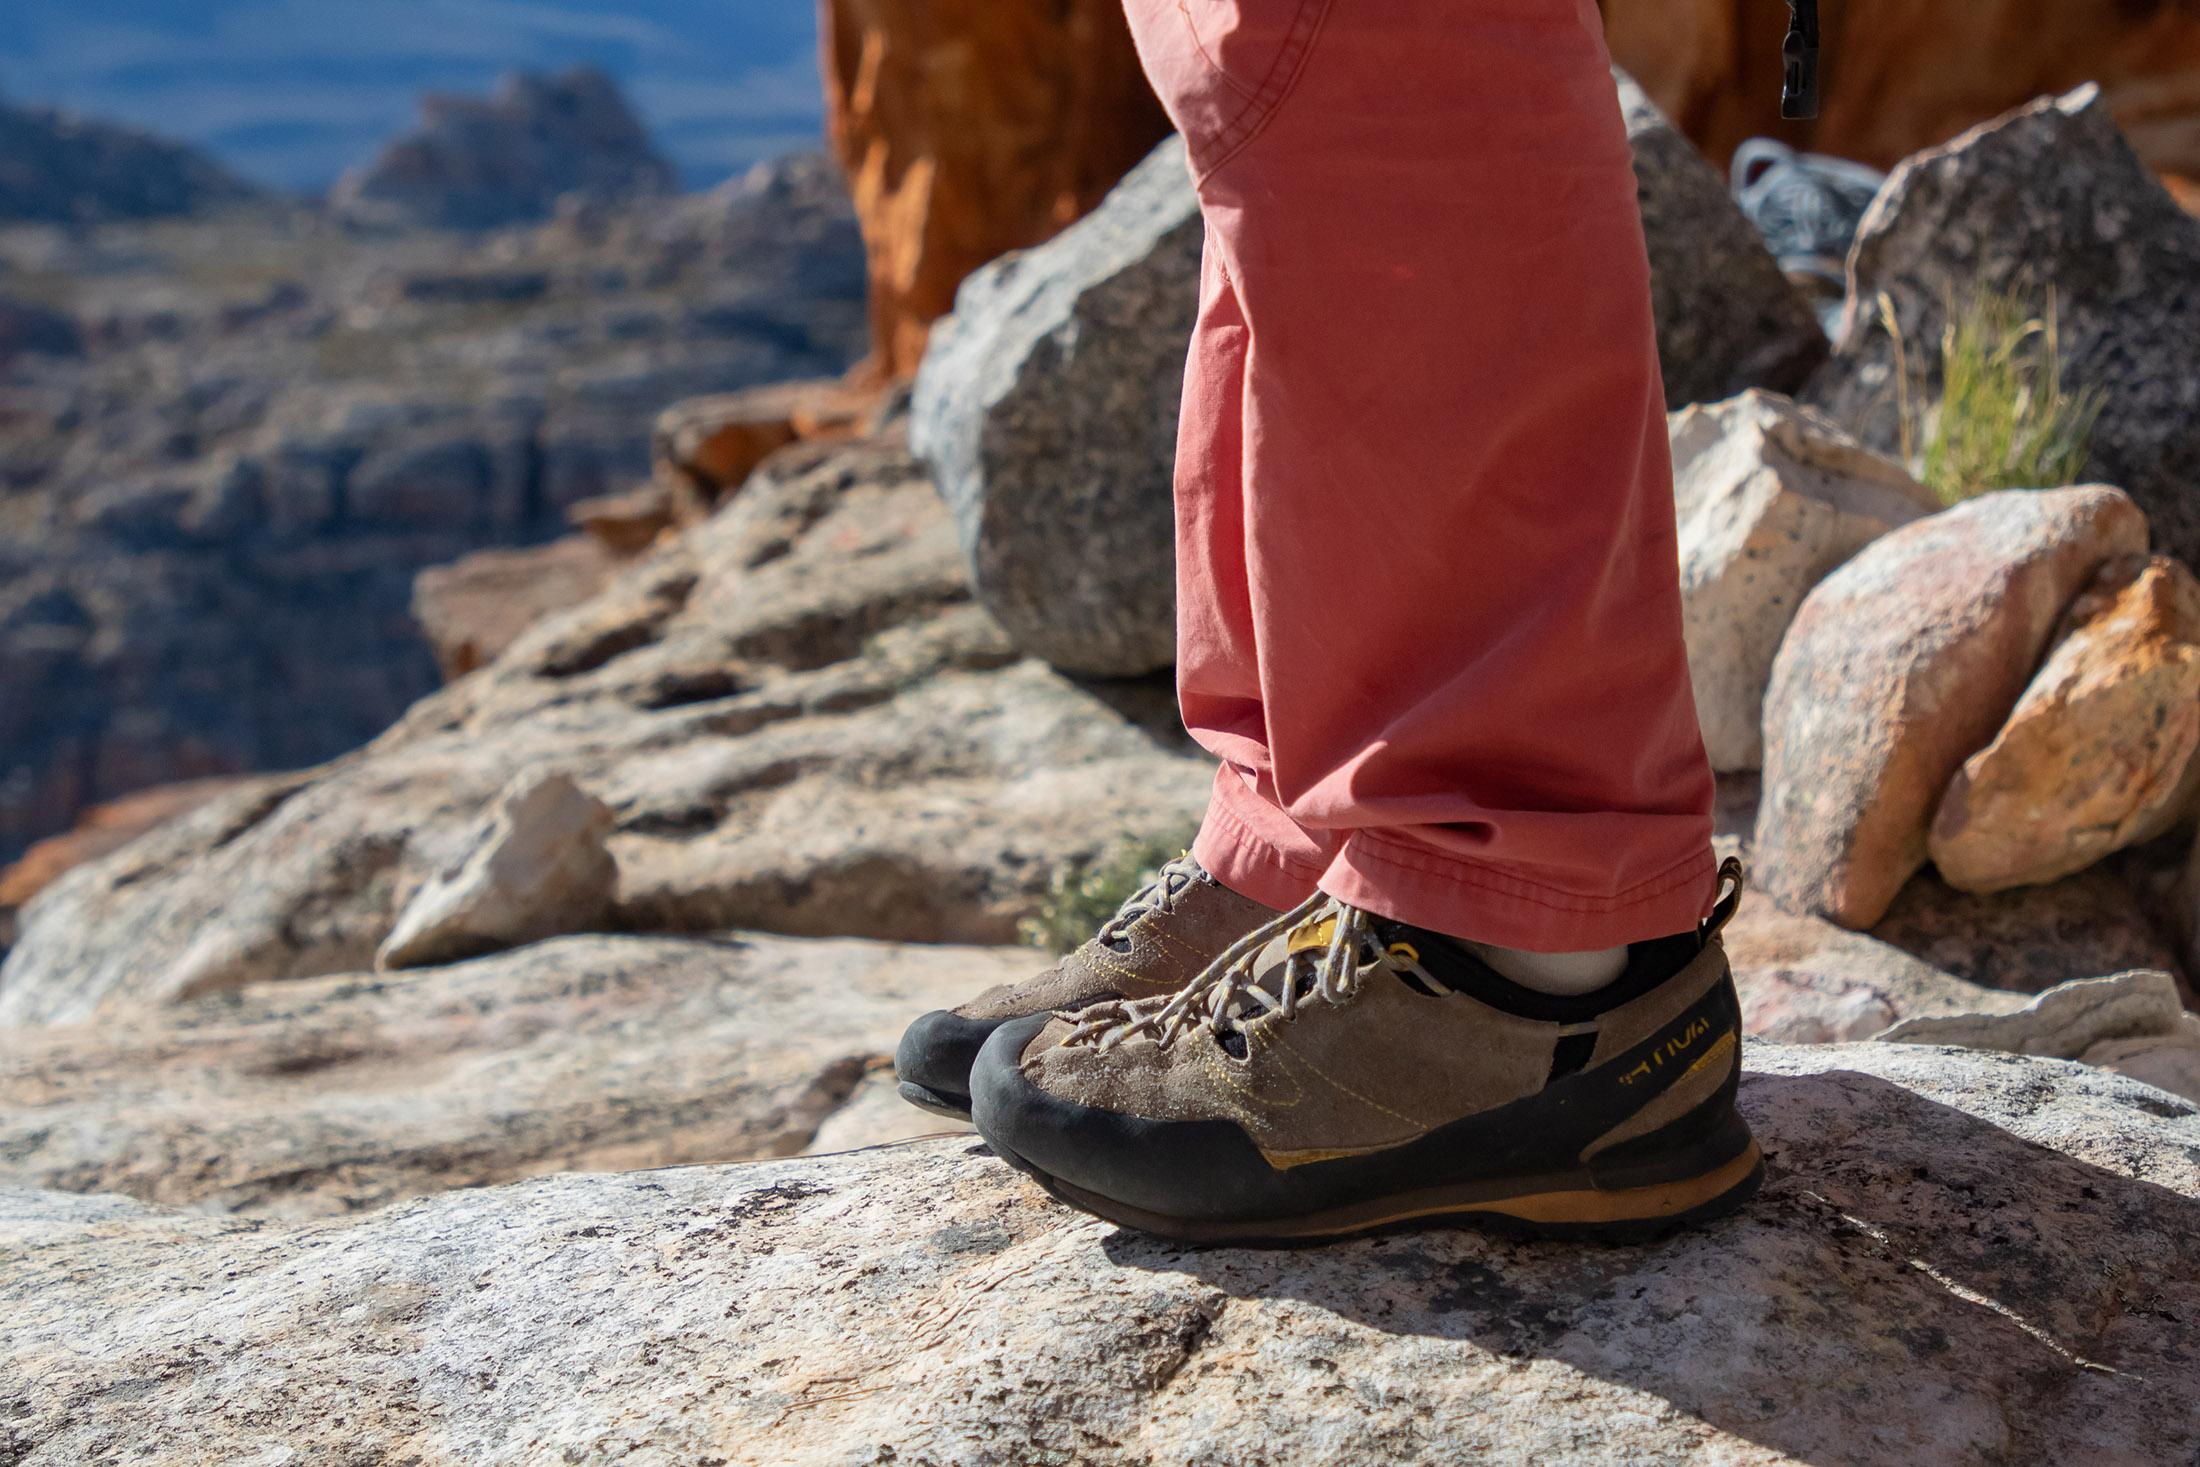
1444 893
1237 857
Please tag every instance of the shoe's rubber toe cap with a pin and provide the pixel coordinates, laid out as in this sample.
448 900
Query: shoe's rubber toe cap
934 1058
1184 1168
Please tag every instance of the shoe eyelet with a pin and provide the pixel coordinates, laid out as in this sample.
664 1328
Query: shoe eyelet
1405 950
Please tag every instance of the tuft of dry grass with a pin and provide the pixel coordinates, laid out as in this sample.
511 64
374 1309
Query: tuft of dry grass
2003 420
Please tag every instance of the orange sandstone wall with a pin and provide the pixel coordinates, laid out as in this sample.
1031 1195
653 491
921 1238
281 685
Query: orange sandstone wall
969 128
1904 74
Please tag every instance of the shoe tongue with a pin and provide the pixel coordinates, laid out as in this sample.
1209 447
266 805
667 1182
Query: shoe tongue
1294 958
1312 936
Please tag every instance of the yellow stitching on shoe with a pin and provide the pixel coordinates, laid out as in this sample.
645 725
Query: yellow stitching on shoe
1226 1075
1422 1127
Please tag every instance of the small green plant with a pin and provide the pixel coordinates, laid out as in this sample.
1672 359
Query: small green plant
2003 420
1083 897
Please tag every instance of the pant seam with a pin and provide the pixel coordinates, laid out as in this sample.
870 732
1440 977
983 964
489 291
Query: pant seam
1371 848
1283 78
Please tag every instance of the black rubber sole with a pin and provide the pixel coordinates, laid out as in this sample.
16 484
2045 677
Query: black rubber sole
939 1103
1532 1207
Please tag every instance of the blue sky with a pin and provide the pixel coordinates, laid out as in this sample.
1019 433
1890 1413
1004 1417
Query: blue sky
290 92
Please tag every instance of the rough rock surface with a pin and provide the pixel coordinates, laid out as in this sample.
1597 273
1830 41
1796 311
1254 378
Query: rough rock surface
103 828
799 720
2028 940
1770 497
2066 1020
703 449
1900 75
1900 665
2048 199
1959 1258
597 1053
538 869
2166 1061
476 606
1803 980
2133 1023
64 169
478 162
937 109
1047 406
1728 320
216 507
2098 753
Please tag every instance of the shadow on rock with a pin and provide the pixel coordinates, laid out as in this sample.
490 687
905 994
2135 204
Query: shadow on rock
1914 1283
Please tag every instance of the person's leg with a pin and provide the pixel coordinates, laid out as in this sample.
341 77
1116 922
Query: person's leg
1437 641
1247 841
1431 622
1167 934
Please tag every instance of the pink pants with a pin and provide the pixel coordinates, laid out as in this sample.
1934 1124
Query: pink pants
1428 601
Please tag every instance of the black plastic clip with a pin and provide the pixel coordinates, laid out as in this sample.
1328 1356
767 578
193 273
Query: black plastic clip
1799 61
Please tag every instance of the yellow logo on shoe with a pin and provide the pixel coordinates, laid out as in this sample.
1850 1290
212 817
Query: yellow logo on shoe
1671 1051
1312 935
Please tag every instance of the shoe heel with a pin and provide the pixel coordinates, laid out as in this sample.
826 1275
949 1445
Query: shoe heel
1698 1142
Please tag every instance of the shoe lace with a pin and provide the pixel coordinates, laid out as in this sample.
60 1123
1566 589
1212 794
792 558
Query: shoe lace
1157 895
1333 950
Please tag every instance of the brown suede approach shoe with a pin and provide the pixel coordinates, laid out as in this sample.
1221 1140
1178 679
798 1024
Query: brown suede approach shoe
1163 936
1337 1072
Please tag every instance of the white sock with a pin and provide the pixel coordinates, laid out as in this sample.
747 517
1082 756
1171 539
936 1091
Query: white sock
1564 974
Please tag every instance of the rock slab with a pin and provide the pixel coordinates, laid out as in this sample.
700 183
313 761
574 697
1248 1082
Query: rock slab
1770 497
2048 198
1958 1258
1901 665
2098 753
472 608
340 1094
1046 409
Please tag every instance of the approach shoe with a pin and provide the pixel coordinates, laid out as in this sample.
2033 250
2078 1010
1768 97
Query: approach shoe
1164 935
1336 1071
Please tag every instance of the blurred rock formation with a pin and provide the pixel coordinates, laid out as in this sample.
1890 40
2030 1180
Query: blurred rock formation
59 168
475 163
970 128
222 477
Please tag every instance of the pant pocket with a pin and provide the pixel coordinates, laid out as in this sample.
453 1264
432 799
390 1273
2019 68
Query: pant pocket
1230 65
